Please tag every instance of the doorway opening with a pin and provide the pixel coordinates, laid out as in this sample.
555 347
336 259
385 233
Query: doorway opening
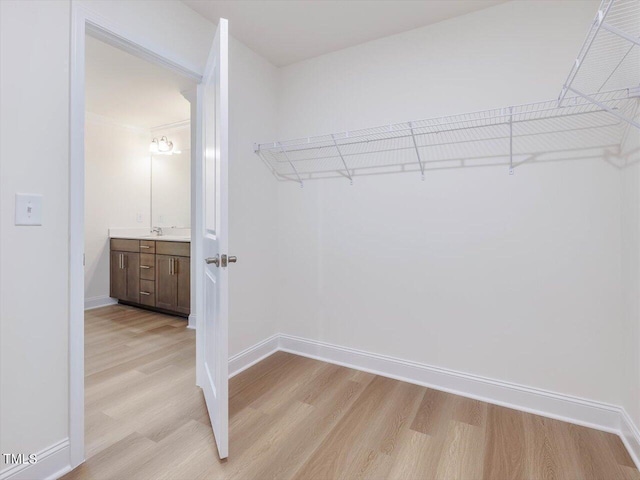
209 190
140 353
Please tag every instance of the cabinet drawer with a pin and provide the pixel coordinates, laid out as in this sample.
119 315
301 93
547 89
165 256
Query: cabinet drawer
148 293
147 246
125 245
147 266
179 249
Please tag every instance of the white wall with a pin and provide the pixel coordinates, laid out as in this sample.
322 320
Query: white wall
630 191
117 189
34 158
515 278
252 200
182 34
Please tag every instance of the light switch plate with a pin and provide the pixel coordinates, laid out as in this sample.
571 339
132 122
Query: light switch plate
28 209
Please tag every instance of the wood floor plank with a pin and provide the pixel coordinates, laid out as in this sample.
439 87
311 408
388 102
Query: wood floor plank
616 447
469 410
102 431
295 417
396 417
329 409
548 456
418 457
135 363
267 386
434 412
240 382
338 450
504 444
462 454
119 458
596 458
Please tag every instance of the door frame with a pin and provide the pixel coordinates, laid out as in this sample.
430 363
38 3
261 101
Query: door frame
86 21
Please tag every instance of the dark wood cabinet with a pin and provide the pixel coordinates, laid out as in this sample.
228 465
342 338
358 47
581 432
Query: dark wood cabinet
183 272
173 278
125 276
167 284
153 274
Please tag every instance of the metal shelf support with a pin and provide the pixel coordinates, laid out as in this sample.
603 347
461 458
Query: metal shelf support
605 107
333 137
511 141
293 167
620 33
415 145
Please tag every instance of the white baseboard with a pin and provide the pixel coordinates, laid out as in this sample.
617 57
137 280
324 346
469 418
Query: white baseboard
192 321
53 462
252 355
630 436
567 408
533 400
97 302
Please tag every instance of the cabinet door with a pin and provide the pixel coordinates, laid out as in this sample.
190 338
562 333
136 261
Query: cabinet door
132 266
166 283
183 272
118 276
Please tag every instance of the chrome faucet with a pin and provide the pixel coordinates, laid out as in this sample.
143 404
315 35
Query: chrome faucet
157 230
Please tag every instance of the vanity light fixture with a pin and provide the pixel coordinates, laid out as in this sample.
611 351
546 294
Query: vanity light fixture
162 146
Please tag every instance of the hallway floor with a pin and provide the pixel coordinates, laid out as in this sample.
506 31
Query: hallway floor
294 417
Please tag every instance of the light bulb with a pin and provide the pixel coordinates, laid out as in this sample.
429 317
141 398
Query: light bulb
153 148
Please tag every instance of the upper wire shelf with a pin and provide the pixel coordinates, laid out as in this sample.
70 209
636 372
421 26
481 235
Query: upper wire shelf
597 104
508 136
609 58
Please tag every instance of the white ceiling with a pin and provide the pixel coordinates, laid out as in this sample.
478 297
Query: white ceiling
130 90
287 31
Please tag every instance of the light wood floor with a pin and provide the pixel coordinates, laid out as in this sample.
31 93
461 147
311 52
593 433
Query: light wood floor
293 417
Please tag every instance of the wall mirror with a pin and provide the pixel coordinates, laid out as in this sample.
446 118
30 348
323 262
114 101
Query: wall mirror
171 180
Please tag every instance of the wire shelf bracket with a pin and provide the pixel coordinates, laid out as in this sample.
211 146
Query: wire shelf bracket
346 169
293 167
511 141
607 108
415 145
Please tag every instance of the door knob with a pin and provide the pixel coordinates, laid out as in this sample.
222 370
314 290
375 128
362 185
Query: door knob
215 260
225 260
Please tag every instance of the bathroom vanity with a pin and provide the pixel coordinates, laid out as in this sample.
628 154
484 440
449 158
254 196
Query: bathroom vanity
152 273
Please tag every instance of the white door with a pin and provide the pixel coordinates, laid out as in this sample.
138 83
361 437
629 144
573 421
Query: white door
212 328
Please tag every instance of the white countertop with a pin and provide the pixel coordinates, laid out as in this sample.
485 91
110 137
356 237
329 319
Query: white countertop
172 235
157 238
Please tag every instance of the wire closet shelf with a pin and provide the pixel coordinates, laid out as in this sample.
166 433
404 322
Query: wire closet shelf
609 58
506 136
577 125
